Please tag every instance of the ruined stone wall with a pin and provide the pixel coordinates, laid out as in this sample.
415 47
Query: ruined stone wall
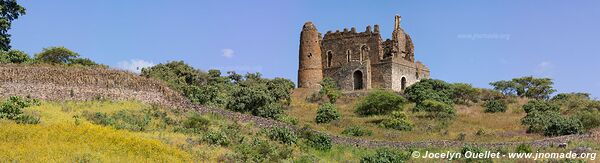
345 53
82 83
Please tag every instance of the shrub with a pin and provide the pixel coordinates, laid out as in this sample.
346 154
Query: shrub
14 56
536 121
271 110
541 106
253 98
317 140
216 138
589 119
280 89
563 126
195 123
327 113
397 121
12 109
330 89
282 134
385 155
523 148
288 119
436 109
259 150
177 74
380 102
494 106
357 131
463 93
128 120
573 102
430 89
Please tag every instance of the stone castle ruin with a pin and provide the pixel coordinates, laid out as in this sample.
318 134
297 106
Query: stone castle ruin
359 60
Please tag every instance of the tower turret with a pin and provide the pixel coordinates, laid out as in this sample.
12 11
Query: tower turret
310 70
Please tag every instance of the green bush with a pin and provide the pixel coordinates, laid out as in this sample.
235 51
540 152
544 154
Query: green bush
589 119
397 121
14 56
216 138
282 134
544 117
12 109
259 150
563 126
541 106
574 102
357 131
463 93
430 89
380 102
494 106
128 120
327 113
317 140
523 148
436 109
330 89
271 110
287 119
195 123
386 155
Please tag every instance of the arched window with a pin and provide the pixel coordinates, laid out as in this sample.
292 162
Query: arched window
358 80
329 58
363 51
348 52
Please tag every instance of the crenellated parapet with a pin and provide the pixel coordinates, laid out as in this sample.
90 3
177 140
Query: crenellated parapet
345 33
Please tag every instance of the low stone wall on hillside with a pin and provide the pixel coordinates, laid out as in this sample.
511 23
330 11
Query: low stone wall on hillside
82 83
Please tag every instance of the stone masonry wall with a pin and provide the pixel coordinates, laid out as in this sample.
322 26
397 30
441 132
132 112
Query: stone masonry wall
84 83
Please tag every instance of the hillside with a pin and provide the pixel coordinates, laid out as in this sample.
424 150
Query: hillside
70 94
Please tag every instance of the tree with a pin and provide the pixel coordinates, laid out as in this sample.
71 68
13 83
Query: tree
56 55
537 88
9 11
14 56
83 62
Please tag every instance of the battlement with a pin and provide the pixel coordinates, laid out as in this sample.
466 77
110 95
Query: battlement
345 33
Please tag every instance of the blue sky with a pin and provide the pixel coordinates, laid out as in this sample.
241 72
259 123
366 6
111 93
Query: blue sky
469 41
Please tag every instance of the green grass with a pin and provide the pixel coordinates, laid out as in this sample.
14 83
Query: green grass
498 127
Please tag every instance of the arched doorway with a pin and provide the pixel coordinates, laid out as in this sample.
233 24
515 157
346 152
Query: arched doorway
358 80
403 83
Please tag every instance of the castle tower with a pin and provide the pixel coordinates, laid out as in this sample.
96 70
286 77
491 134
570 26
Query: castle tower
310 71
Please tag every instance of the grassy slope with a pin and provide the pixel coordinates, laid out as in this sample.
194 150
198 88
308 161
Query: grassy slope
498 127
64 136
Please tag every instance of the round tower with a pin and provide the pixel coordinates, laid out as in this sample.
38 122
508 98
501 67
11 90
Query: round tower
310 70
